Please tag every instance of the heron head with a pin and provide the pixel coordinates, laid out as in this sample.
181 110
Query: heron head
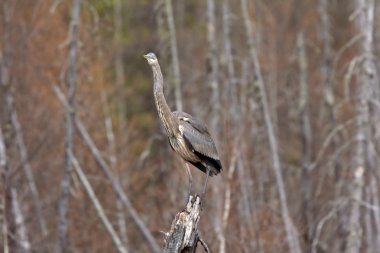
151 58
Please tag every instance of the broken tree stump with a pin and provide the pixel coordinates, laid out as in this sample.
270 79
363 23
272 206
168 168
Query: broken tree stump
183 235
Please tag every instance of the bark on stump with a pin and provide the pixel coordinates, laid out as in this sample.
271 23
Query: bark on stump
183 235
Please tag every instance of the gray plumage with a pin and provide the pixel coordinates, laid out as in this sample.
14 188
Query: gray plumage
187 135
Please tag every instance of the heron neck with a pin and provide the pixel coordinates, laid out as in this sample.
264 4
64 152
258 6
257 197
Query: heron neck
163 109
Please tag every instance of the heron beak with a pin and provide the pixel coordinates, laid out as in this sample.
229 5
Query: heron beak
145 56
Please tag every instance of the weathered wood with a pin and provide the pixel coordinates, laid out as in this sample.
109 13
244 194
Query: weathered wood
183 236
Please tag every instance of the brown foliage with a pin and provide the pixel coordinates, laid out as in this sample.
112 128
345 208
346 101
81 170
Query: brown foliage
150 173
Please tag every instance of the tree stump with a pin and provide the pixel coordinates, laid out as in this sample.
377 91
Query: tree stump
183 236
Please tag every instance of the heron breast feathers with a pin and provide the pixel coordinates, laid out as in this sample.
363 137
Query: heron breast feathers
181 129
182 141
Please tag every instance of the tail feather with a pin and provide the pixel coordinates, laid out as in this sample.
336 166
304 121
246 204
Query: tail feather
213 165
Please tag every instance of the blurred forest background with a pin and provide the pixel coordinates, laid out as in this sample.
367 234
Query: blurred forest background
289 89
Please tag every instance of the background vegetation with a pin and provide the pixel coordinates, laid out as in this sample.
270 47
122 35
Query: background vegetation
289 90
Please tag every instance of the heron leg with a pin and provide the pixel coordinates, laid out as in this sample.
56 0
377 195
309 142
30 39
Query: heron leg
205 186
190 179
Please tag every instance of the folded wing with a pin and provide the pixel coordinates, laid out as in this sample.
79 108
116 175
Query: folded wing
198 138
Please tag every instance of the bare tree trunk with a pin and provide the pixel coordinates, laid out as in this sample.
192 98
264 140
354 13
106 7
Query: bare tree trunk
326 70
227 202
3 220
213 64
12 115
327 84
369 235
375 202
3 159
231 81
21 239
21 233
5 135
26 166
306 138
120 80
119 64
99 209
174 53
377 31
354 228
247 212
230 87
376 130
247 199
365 82
212 80
9 218
291 236
70 114
10 229
114 167
107 171
183 236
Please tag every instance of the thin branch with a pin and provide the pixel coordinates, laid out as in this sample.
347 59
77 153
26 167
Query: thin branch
349 74
99 209
113 164
328 139
332 159
27 169
369 206
345 47
204 245
321 224
107 171
292 238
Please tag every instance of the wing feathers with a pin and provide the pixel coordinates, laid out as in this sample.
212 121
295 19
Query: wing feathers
201 143
198 139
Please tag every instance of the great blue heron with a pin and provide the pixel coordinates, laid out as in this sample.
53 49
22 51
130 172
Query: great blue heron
187 135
